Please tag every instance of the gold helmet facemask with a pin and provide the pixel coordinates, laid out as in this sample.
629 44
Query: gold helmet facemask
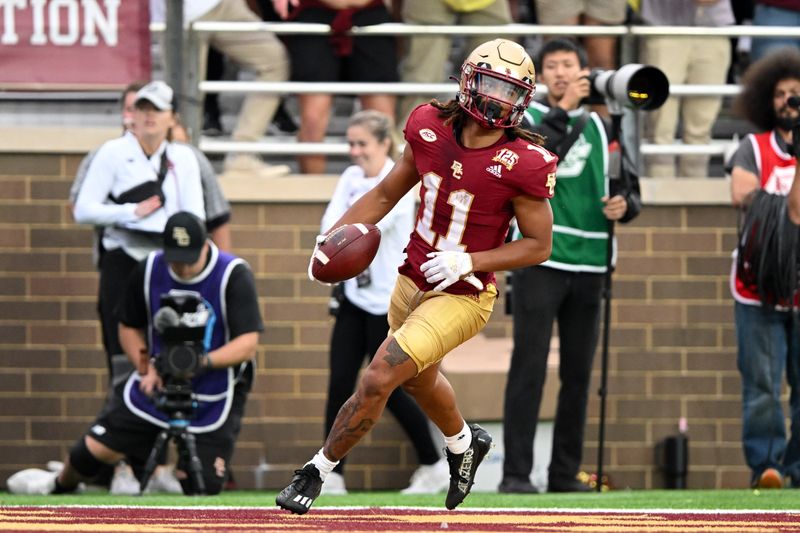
497 84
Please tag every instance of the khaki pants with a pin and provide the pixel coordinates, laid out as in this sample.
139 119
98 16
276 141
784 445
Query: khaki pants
260 52
557 11
427 55
689 60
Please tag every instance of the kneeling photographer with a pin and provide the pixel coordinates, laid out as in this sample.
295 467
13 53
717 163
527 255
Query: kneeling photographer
190 322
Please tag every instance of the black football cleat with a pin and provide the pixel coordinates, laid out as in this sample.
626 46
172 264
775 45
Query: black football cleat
568 485
302 491
464 465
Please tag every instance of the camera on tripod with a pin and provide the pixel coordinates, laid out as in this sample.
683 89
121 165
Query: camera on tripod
181 322
633 85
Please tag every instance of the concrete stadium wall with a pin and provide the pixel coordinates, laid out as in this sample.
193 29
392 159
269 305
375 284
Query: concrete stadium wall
672 344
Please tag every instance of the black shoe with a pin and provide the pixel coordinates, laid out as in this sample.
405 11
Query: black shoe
302 491
569 485
283 120
212 127
517 486
464 465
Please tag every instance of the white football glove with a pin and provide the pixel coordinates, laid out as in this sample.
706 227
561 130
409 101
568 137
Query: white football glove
319 240
449 267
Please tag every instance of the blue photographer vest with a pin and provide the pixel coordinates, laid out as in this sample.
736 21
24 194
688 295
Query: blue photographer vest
213 389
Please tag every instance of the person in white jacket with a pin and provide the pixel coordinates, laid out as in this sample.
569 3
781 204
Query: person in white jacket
361 304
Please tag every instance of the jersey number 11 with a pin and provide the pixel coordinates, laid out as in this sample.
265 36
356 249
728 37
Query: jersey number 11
460 200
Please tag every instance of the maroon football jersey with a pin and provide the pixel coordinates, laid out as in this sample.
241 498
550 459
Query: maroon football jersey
465 194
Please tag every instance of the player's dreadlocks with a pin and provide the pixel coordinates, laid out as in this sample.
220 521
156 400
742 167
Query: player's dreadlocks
758 85
453 114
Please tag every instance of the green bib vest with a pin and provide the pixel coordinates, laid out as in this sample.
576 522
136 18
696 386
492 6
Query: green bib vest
580 230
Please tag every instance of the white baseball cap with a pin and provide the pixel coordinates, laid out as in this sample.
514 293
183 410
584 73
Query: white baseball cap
157 93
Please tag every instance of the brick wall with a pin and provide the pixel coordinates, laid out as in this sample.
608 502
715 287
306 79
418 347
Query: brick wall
672 343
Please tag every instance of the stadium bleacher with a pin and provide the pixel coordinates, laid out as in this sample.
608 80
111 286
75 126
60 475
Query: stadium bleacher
99 109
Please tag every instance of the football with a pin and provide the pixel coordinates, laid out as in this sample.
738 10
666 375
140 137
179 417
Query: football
346 252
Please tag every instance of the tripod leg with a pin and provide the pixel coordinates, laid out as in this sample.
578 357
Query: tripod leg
150 465
187 448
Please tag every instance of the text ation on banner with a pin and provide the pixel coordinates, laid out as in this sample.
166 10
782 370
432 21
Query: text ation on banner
62 44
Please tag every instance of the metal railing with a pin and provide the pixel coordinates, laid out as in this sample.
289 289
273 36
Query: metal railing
355 88
627 34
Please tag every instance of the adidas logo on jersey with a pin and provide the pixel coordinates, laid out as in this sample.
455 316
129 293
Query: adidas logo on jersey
495 170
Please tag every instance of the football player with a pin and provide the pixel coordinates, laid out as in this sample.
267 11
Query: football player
477 170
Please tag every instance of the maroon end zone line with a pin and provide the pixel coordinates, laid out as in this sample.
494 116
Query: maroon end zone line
170 520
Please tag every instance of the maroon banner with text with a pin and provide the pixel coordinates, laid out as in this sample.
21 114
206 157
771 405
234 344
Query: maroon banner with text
77 44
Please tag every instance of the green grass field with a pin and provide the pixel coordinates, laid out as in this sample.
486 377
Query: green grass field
782 500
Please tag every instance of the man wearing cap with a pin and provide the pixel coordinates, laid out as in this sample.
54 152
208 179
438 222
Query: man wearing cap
189 263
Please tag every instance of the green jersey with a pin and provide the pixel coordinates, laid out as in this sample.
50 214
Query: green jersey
580 229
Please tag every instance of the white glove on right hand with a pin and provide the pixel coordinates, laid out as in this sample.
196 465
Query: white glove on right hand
449 267
319 240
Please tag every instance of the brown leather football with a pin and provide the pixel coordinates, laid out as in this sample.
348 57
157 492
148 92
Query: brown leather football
346 252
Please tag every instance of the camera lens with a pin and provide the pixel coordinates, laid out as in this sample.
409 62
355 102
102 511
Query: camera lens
183 360
647 88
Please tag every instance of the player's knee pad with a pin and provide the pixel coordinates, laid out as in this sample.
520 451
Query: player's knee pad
82 460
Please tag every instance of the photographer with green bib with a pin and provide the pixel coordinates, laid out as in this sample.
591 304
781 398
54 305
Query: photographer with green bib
567 287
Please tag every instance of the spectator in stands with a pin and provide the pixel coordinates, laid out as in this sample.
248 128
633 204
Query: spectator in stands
602 50
212 123
763 169
568 286
363 302
337 57
212 113
426 57
702 60
774 13
524 12
224 284
261 52
740 59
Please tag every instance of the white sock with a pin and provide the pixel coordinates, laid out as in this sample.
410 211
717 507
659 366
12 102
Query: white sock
459 442
323 464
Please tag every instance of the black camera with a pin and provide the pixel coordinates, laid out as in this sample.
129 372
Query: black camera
181 322
633 85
